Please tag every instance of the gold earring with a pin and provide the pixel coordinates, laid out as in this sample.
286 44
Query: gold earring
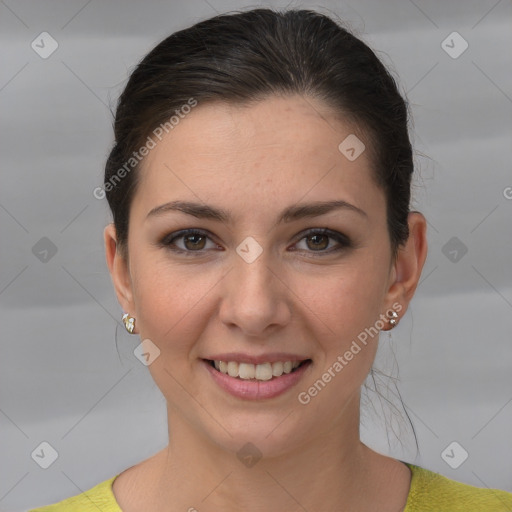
129 323
392 315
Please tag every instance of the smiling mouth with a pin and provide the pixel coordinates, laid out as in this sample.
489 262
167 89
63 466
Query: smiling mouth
256 372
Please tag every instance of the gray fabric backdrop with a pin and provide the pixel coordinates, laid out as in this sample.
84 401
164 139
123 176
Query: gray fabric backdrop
62 380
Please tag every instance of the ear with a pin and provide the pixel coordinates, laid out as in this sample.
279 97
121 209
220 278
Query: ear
408 265
119 270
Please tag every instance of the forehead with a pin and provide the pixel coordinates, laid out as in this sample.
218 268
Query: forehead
281 148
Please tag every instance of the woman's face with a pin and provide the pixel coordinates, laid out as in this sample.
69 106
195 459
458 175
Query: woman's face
256 287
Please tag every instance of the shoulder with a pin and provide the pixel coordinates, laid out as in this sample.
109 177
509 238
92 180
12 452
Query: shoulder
431 491
99 497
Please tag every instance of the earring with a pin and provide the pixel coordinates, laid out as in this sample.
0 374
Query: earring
129 323
392 315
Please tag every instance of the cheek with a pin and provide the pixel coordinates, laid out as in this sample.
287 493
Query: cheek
171 301
349 299
349 306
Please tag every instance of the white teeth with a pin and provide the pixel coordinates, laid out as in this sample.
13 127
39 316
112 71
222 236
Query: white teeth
246 371
277 369
264 371
233 369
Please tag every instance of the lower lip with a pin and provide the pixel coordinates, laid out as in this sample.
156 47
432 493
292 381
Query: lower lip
257 389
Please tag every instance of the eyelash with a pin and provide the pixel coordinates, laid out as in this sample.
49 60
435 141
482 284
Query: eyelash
343 241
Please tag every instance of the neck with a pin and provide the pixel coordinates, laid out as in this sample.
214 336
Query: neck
332 468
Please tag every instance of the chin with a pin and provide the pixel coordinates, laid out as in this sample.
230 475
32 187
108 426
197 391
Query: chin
267 434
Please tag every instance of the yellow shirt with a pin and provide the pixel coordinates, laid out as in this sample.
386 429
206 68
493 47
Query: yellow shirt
429 492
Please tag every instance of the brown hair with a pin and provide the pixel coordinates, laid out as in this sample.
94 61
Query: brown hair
248 56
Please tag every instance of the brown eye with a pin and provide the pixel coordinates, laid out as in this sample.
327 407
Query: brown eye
194 242
318 242
189 242
322 241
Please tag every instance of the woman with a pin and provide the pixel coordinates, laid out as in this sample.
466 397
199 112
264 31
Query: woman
262 238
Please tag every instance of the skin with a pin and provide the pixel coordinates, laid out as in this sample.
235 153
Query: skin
296 297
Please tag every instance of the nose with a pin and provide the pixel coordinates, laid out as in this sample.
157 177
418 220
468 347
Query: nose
255 298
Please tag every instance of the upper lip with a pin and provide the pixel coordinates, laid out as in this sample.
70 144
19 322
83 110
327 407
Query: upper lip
272 357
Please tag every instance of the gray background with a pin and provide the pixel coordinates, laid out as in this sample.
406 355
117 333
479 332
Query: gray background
62 380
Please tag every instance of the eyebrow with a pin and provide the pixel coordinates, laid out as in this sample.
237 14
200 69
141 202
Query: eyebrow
292 213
